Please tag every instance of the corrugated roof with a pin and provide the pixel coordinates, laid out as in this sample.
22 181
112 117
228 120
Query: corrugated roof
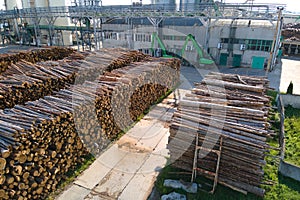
243 22
173 21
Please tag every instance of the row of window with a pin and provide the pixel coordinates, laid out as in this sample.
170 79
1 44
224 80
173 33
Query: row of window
141 37
251 44
174 37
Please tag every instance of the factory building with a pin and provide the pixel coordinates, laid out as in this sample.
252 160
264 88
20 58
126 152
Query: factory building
233 42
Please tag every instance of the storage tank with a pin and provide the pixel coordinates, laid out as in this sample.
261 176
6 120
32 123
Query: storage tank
165 4
189 5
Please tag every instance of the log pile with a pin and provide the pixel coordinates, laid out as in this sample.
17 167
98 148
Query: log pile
26 81
33 56
43 139
291 32
231 107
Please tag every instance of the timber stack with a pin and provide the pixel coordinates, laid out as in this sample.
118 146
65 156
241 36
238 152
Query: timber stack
34 55
225 114
28 81
41 140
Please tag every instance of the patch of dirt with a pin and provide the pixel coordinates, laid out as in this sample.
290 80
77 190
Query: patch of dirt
130 144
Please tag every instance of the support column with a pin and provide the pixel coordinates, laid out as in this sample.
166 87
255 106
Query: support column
156 22
51 20
37 32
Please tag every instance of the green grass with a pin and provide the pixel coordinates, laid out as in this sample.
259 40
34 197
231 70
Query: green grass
292 135
273 95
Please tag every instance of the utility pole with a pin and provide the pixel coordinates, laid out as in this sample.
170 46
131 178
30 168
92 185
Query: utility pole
275 40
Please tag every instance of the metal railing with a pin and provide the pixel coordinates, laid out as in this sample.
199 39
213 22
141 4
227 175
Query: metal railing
149 10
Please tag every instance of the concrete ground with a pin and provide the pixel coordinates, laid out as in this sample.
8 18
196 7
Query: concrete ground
290 72
128 169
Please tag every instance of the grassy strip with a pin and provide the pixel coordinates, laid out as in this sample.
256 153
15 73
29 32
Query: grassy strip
292 135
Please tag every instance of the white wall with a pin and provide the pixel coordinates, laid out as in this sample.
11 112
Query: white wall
11 4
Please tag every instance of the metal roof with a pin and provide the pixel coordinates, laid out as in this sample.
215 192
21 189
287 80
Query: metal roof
170 21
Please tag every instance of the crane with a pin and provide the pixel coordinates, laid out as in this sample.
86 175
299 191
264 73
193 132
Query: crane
199 50
161 45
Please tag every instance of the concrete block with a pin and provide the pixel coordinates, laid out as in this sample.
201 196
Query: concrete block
91 177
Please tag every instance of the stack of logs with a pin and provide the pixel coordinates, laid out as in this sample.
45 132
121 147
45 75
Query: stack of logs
234 108
43 139
33 56
25 81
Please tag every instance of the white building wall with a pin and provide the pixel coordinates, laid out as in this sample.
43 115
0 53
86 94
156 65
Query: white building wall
11 4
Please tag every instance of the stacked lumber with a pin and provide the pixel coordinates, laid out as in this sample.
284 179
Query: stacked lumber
43 139
34 55
25 81
231 107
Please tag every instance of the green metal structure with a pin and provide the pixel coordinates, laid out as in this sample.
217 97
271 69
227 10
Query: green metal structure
161 45
202 60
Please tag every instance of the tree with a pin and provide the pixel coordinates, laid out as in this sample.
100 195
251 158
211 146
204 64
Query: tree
290 88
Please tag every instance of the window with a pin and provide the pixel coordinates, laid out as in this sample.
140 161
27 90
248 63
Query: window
224 40
259 45
255 45
143 37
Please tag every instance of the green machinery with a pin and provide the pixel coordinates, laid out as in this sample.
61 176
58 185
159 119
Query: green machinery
189 37
202 60
161 45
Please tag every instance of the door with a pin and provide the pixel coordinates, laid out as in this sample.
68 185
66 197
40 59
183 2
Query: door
237 59
223 59
258 62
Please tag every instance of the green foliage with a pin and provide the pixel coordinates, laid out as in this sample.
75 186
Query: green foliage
292 135
292 112
273 95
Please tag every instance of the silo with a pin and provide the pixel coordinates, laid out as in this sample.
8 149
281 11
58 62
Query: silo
189 5
166 4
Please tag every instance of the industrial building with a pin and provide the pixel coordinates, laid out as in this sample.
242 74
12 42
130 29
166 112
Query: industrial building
231 42
231 34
